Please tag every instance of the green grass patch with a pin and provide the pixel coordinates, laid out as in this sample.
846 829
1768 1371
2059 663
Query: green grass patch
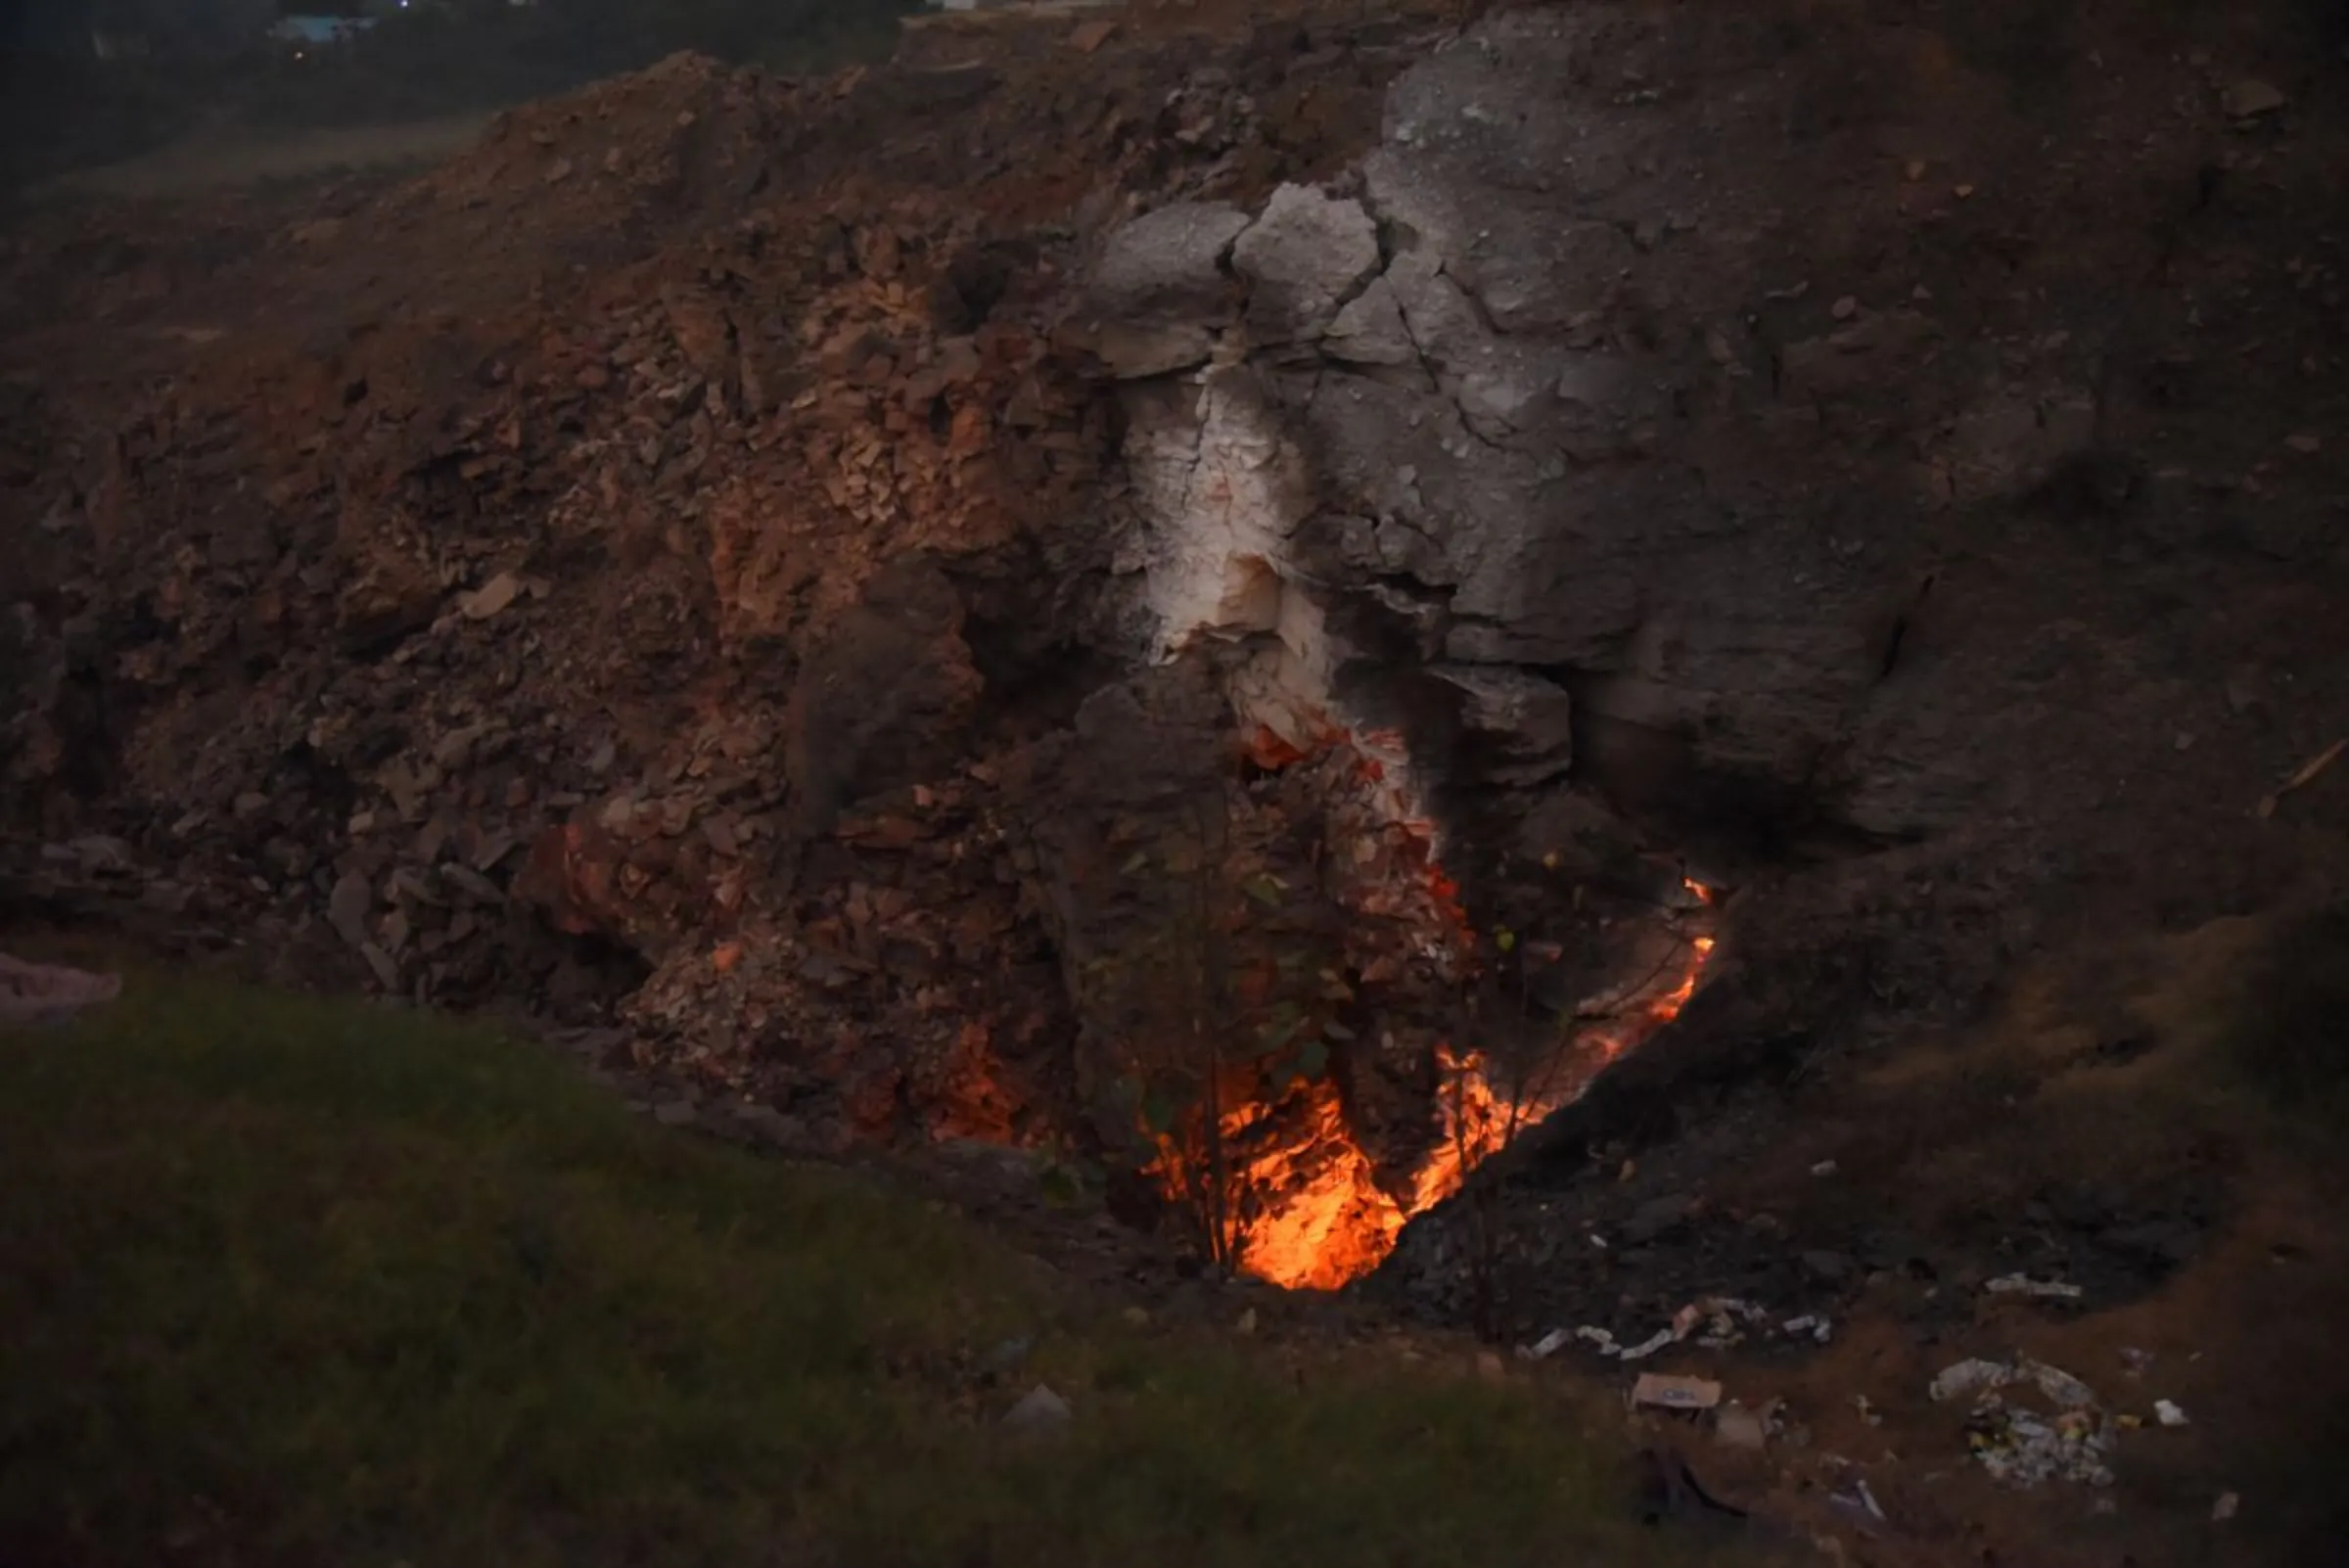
289 1282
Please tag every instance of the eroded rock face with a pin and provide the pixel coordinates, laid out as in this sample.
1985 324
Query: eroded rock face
1540 405
1160 288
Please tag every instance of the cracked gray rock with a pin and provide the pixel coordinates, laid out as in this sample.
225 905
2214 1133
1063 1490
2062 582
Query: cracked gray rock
1157 293
1306 256
1552 437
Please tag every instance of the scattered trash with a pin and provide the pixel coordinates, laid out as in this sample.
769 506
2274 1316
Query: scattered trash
2303 776
1247 1324
1824 1168
2025 1285
1039 1410
1715 1322
1545 1347
1812 1324
1868 1409
2136 1360
2168 1413
1659 1389
1736 1427
2225 1509
50 994
2023 1447
1860 1505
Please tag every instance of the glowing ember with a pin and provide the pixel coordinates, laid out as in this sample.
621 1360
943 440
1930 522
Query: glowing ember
1303 1205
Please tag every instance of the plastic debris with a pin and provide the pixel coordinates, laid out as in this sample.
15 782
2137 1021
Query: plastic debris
1648 1346
1665 1392
2226 1507
50 994
2022 1446
1736 1427
1715 1322
1860 1505
1812 1324
2136 1360
1824 1168
1545 1347
1969 1377
2169 1413
2025 1285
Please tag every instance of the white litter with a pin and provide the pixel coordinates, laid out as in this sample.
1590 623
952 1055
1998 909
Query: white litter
1712 1321
2025 1285
1669 1392
1648 1346
2023 1447
1547 1346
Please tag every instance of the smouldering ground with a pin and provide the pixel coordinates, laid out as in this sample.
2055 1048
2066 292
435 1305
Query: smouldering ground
283 1281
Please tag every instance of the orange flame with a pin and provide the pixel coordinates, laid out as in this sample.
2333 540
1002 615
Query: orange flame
1317 1215
1328 1220
1307 1209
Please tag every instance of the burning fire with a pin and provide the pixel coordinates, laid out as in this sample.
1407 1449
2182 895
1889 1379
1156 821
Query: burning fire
1326 1219
1307 1209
